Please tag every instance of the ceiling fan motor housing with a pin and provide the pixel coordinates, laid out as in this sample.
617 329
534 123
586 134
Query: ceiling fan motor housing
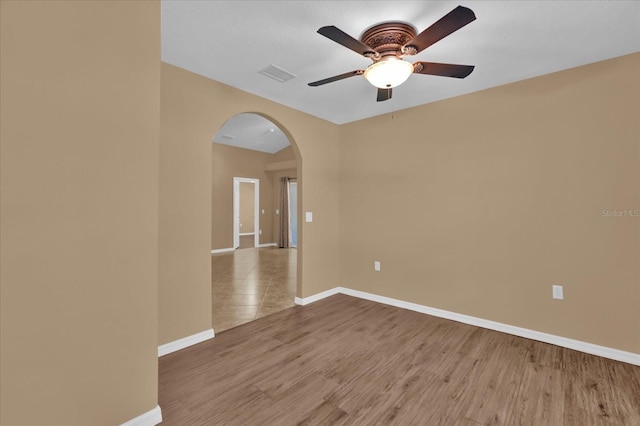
389 38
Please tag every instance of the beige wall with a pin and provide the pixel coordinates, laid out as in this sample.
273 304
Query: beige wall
230 162
79 206
506 189
247 207
192 110
283 155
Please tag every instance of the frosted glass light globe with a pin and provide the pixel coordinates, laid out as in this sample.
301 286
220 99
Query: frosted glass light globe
388 73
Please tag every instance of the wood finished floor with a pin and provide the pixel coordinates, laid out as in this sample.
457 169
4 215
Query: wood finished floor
346 361
250 283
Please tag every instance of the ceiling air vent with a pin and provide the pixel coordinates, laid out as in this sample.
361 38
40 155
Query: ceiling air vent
277 73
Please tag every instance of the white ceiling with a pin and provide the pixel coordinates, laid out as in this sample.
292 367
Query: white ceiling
230 41
252 131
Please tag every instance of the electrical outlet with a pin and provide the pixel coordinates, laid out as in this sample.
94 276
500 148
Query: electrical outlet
376 265
557 292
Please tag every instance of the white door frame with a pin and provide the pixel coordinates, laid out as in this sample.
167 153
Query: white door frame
236 210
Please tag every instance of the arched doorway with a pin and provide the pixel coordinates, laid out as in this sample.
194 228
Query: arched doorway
254 269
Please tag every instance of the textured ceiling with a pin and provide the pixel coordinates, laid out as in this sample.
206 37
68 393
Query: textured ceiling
230 41
252 131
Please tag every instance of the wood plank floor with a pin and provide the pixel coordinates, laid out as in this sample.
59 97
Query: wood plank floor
346 361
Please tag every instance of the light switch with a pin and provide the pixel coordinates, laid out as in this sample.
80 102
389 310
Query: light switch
557 292
262 211
309 216
277 211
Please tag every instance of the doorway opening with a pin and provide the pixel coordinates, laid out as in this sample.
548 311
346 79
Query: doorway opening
246 216
288 212
293 212
251 276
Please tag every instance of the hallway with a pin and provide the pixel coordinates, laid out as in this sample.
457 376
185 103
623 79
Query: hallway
251 283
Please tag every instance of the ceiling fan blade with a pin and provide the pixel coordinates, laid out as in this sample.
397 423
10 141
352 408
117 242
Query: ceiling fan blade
444 70
384 94
449 23
340 37
336 78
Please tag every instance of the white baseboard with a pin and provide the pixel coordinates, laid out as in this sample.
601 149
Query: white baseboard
185 342
268 245
230 249
150 418
306 300
590 348
224 250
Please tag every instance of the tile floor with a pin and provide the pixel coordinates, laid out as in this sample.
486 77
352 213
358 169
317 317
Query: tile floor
251 283
246 241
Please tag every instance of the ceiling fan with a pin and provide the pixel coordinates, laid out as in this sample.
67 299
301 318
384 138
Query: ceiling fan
388 43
